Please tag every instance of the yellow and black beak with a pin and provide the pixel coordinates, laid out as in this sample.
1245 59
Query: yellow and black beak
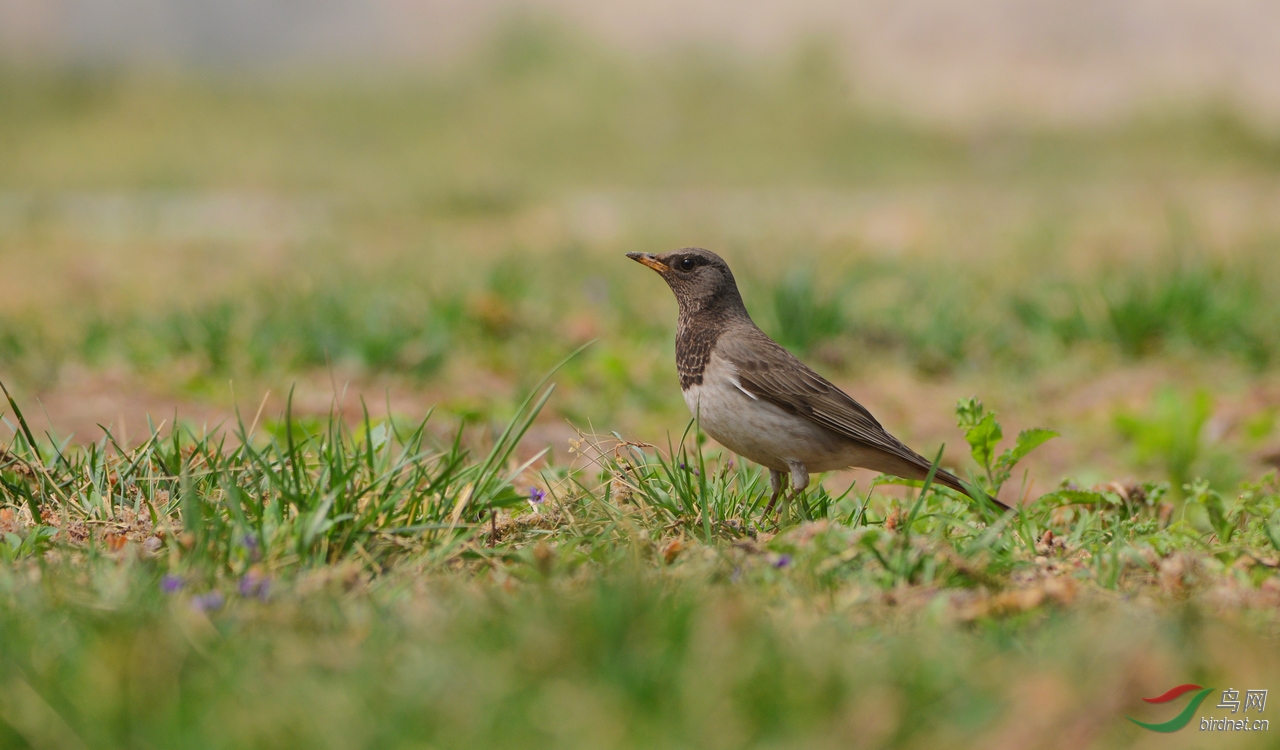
649 260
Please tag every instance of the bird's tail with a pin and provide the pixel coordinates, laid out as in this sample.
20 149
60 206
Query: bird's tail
911 465
948 479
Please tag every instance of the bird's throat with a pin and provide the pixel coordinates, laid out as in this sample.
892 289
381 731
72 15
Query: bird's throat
696 337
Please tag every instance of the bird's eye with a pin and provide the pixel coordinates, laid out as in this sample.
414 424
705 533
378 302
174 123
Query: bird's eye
687 264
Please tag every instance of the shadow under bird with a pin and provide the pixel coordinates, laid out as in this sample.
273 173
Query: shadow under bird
760 401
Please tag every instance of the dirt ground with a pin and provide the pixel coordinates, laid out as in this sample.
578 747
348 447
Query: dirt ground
918 409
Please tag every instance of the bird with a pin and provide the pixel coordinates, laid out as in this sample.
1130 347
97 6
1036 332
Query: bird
759 400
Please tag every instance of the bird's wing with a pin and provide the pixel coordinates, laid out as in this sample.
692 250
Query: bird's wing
769 372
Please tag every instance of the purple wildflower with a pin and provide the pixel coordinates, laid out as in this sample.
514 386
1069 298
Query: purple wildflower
171 584
536 495
254 584
250 544
782 561
209 602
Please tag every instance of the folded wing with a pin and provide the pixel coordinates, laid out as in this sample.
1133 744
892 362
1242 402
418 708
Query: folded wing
771 373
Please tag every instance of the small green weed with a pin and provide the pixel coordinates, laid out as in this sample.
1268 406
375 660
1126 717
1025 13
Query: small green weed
1171 434
984 434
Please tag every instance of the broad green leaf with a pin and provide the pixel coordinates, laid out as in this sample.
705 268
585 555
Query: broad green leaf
1028 440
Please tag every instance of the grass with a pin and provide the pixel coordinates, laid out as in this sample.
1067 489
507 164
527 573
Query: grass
318 573
211 593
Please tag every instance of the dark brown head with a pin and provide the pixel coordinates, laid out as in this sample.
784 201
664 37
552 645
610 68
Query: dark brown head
700 279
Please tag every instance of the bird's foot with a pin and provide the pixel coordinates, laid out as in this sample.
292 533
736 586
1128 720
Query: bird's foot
784 508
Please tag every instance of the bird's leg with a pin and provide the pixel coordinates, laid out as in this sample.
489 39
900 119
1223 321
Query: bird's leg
775 481
799 481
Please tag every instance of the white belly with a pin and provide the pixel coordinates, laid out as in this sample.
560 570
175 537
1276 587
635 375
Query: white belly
758 430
